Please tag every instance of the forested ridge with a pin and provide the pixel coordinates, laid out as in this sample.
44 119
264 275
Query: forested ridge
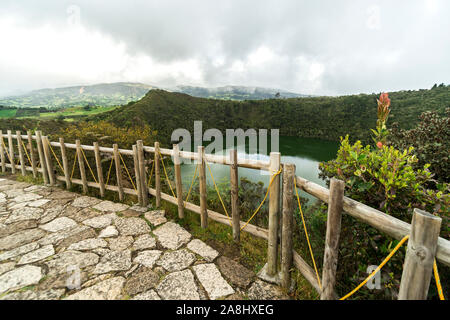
319 117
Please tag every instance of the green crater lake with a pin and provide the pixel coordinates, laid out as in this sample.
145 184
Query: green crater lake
305 153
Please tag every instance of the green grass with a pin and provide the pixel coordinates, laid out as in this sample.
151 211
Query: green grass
7 113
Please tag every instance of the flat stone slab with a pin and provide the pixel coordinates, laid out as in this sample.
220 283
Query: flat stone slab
139 208
114 261
100 222
144 241
148 295
141 282
37 255
14 227
88 244
85 202
7 266
176 260
71 259
156 217
110 289
20 277
202 249
213 282
20 238
59 224
261 290
35 295
234 272
131 226
109 232
51 213
109 206
24 213
38 203
147 258
26 197
120 243
178 285
18 251
171 236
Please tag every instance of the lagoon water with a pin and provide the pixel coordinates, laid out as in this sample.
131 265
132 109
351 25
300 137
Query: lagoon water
305 153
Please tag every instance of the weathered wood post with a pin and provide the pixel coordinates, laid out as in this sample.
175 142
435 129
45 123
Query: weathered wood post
48 160
81 164
98 164
21 153
330 259
157 176
178 182
137 174
274 203
420 255
234 181
32 154
142 172
288 217
202 186
118 171
41 157
65 163
2 152
11 152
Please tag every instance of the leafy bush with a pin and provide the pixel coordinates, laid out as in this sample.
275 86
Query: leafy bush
431 142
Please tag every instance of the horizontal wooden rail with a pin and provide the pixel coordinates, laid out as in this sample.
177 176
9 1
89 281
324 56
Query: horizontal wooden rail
377 219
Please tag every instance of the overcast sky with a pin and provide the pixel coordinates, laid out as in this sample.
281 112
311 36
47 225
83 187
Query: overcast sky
314 47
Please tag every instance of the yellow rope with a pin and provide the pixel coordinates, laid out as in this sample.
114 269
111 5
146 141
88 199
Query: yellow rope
378 268
262 202
109 170
167 177
192 184
26 152
438 281
307 237
126 169
73 167
57 160
87 162
218 193
7 153
151 174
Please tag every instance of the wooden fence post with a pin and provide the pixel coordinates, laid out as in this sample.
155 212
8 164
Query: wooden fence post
118 171
2 152
330 259
274 203
41 156
157 176
142 172
420 255
331 253
65 163
202 186
98 164
234 181
48 160
32 155
288 217
178 182
11 152
137 173
81 165
21 153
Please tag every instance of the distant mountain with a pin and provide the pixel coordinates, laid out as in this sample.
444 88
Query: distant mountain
236 93
120 93
104 94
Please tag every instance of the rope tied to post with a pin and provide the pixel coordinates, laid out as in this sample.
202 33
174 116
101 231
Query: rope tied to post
128 173
54 154
167 177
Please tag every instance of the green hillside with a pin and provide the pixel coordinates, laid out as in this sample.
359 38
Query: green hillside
107 94
319 117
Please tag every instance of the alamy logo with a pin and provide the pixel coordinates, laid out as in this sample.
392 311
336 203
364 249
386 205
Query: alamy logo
257 141
375 281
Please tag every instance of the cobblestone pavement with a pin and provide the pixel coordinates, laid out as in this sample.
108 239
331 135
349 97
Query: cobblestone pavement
56 244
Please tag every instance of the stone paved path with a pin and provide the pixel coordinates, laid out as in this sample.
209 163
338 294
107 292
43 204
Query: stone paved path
56 244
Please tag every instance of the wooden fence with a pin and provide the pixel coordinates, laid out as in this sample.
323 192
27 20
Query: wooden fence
424 245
